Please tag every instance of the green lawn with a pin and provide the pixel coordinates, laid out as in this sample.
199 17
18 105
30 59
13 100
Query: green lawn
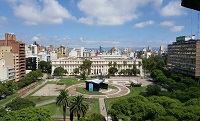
94 104
56 111
84 91
134 91
112 87
69 81
9 98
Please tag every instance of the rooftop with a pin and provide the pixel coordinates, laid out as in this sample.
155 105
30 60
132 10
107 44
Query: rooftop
96 81
192 4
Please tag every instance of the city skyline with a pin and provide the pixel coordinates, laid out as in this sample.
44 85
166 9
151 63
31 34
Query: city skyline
110 23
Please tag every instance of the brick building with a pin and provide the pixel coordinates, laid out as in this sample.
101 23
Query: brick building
18 50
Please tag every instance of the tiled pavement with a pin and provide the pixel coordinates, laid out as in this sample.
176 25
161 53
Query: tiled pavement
121 91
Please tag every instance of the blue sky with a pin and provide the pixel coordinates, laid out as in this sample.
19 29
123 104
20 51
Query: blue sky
91 23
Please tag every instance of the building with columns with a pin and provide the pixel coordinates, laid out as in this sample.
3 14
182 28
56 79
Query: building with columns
99 64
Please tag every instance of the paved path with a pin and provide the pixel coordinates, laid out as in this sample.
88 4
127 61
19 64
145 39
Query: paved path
102 107
121 91
32 90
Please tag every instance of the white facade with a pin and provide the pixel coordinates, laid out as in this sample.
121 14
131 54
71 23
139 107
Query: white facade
99 64
43 56
7 73
82 50
53 55
73 53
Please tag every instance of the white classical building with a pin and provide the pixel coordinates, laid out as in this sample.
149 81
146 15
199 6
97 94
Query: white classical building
99 63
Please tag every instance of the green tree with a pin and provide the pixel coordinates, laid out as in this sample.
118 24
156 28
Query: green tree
19 103
28 114
10 86
59 71
124 64
123 71
194 101
112 70
134 70
86 67
109 64
97 117
153 89
3 90
2 112
45 66
115 64
76 70
78 107
63 100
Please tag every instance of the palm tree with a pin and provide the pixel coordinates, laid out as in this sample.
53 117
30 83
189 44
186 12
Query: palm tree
124 64
115 64
63 100
109 64
78 107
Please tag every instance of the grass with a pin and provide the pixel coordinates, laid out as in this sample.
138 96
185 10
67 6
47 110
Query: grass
84 91
94 103
133 92
69 81
38 99
112 87
56 111
9 98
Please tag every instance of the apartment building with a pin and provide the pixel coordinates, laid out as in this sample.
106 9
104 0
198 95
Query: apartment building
17 48
7 72
184 57
99 64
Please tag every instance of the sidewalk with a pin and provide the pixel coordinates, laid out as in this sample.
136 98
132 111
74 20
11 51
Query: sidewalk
32 90
102 106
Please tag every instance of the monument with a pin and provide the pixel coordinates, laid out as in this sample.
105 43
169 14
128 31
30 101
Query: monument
96 84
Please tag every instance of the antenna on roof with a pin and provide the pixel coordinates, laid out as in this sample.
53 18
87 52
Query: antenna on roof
198 27
191 21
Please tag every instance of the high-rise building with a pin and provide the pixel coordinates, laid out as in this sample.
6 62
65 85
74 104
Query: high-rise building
184 57
101 49
62 51
18 49
149 49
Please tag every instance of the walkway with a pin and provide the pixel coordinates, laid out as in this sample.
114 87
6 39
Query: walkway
32 90
113 93
102 107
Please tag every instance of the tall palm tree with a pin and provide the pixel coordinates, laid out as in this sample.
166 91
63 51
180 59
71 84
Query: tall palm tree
124 64
78 107
63 100
109 64
115 64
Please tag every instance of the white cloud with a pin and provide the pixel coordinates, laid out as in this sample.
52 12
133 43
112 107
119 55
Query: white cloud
3 20
35 38
177 28
144 24
112 12
40 12
173 8
167 23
